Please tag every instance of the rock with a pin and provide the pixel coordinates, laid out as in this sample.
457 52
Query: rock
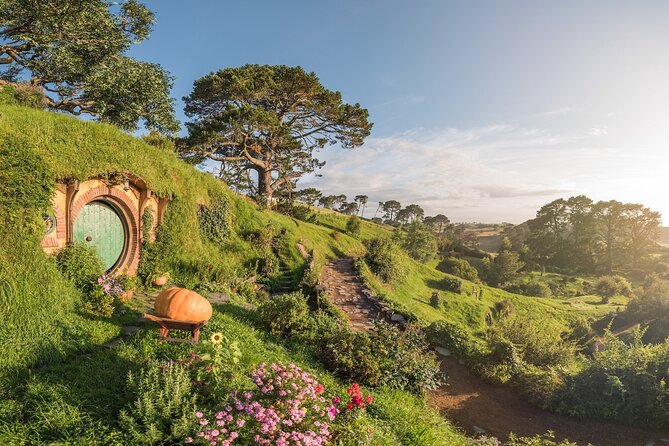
397 318
479 430
443 351
129 330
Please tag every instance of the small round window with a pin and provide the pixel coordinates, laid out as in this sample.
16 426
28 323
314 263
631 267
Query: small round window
49 222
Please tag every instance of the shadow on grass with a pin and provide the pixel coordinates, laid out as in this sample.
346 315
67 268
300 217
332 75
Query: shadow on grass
436 284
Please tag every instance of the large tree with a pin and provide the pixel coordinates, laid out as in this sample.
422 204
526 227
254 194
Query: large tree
438 224
309 195
362 201
271 120
391 208
74 51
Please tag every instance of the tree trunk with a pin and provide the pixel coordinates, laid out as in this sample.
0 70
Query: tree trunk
265 187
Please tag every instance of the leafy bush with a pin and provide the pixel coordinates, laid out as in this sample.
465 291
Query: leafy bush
351 355
285 313
609 286
98 303
353 226
303 213
147 225
532 288
80 264
452 284
436 300
385 258
625 382
384 356
23 94
417 241
215 220
503 269
458 267
505 308
453 337
405 358
539 344
163 405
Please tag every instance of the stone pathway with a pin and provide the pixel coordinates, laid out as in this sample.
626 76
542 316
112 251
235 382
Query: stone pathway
346 290
478 407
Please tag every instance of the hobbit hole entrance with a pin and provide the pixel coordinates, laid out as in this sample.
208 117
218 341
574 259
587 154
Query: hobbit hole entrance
106 215
101 226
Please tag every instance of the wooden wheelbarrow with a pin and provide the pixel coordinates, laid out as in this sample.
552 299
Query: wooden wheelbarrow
167 324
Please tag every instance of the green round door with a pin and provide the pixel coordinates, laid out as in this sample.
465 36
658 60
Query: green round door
100 226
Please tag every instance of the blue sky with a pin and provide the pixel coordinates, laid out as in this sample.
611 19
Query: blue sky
482 111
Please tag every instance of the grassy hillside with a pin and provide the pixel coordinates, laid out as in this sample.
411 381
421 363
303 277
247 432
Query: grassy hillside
57 383
39 148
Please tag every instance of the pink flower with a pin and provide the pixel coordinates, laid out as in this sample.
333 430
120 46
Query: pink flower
188 440
199 414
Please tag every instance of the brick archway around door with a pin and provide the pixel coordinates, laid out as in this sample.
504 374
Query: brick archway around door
130 257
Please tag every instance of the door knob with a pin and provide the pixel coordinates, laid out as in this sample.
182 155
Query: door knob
89 238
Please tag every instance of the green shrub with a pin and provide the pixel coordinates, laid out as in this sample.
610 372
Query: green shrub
608 286
504 308
351 355
147 225
436 300
385 258
547 439
163 406
285 313
97 303
215 220
533 288
625 382
80 264
452 284
458 267
405 358
383 356
453 337
354 226
303 213
22 94
417 241
538 343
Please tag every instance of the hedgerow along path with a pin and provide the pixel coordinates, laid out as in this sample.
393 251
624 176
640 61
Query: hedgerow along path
471 403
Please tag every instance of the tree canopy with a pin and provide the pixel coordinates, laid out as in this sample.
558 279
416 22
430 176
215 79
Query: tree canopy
577 233
271 120
74 51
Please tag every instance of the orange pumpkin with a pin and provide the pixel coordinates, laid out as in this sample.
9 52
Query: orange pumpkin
183 305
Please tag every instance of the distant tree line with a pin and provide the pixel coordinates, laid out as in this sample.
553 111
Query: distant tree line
578 234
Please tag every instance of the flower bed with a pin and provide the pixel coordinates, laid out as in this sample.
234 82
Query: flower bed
289 407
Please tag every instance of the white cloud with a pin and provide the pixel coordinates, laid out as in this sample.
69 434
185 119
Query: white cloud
442 171
499 172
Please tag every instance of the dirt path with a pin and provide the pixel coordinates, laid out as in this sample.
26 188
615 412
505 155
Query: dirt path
471 403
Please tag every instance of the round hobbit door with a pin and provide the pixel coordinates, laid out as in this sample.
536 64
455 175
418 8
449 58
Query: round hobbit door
99 225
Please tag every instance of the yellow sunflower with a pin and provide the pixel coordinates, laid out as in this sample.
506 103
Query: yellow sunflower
216 338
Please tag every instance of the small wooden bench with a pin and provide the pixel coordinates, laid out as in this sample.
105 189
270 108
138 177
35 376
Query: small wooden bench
167 324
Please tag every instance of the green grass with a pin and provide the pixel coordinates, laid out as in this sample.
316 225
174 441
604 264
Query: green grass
39 308
412 295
